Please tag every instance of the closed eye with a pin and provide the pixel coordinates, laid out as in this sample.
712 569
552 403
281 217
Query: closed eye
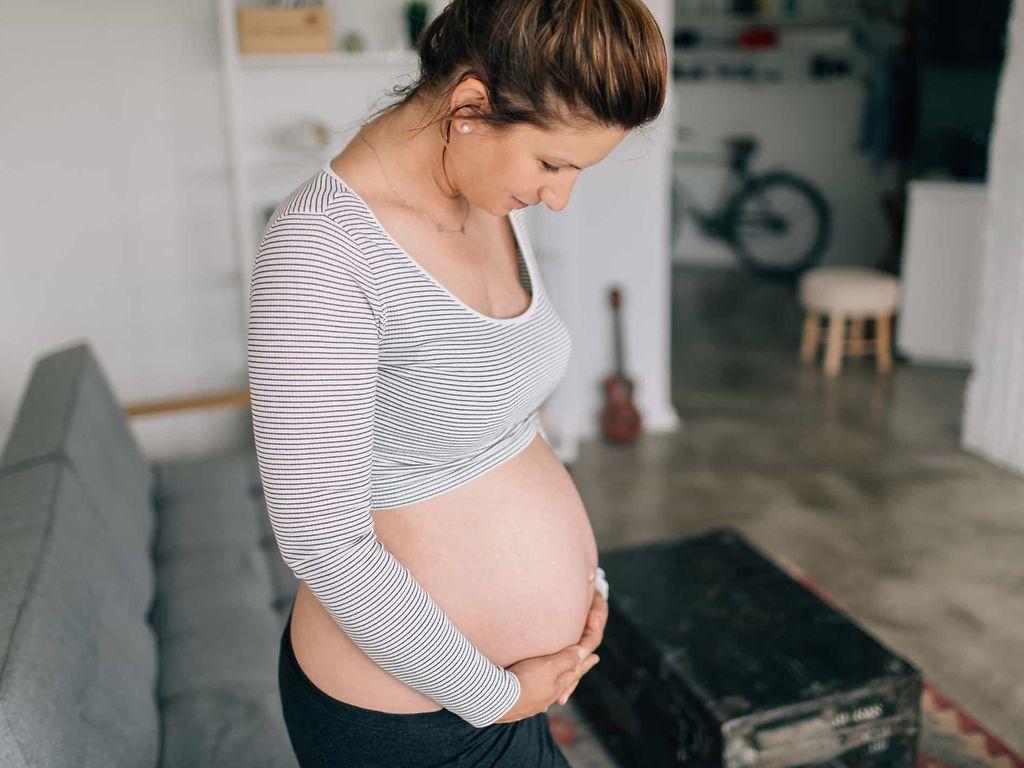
549 168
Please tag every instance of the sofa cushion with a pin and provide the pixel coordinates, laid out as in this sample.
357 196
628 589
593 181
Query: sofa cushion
185 487
78 663
249 730
233 474
215 616
69 411
196 587
237 650
201 521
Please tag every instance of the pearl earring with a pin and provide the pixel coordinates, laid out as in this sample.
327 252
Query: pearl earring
464 128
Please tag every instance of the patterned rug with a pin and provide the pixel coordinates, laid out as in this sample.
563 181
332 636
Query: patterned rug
950 738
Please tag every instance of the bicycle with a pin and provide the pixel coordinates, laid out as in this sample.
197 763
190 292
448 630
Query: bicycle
776 223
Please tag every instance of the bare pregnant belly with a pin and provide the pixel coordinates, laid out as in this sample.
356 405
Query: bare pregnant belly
509 557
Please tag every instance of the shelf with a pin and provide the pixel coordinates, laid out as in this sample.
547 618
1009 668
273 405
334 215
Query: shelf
780 20
699 52
397 56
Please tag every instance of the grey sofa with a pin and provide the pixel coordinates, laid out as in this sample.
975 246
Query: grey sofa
141 603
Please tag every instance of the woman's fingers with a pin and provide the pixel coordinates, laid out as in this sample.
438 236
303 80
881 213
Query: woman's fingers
590 638
593 631
572 658
598 615
590 662
599 607
567 694
593 634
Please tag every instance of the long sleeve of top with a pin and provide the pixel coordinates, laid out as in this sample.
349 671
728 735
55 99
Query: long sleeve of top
315 323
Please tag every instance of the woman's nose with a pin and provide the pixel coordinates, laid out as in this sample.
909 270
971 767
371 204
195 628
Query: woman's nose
558 195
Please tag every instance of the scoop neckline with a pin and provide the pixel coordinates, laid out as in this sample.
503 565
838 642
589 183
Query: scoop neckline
513 220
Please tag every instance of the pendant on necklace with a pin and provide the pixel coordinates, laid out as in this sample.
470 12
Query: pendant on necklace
440 228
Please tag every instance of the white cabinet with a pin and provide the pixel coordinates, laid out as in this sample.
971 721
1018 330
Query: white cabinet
942 260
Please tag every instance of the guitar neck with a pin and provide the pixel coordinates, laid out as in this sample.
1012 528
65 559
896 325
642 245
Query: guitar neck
617 339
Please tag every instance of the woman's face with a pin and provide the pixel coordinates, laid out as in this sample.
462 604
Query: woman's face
495 169
536 166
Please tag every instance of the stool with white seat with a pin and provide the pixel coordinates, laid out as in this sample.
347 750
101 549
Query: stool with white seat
842 293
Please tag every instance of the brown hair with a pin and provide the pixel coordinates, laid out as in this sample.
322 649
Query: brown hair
547 63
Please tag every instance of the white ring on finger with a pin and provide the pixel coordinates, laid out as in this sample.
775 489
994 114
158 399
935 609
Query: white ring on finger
600 582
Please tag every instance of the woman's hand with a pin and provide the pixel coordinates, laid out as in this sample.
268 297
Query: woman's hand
593 634
543 680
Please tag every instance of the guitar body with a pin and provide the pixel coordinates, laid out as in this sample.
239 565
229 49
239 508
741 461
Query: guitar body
620 420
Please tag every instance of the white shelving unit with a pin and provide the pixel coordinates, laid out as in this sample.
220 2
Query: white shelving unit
253 180
715 57
771 67
334 59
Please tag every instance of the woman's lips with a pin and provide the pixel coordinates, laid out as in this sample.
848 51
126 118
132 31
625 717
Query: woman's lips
519 203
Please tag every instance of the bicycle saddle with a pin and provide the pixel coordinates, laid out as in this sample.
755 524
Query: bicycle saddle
740 150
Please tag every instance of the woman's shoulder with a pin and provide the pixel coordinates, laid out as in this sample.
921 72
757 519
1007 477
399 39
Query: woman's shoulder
309 235
319 218
324 202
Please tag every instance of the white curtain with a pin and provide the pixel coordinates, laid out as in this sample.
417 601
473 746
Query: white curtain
993 423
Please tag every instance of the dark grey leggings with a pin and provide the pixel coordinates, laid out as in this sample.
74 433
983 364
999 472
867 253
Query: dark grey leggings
325 731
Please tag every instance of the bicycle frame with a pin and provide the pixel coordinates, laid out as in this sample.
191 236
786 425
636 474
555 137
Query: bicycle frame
711 221
743 211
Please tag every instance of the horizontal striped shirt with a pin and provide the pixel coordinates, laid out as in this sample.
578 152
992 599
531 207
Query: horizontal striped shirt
373 386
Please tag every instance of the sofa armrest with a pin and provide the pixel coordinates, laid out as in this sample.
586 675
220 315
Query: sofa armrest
231 397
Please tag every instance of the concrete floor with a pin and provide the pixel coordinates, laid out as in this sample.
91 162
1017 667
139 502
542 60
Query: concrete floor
859 481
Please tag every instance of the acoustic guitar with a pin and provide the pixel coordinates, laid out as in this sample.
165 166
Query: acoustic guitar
620 420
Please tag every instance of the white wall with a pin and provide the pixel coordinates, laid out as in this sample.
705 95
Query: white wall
114 217
993 423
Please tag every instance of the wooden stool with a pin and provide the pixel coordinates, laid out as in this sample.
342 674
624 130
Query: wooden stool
856 294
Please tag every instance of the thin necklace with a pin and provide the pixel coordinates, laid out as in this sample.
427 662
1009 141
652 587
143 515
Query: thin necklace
440 227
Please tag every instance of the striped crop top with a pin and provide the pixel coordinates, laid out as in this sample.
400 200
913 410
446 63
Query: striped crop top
373 386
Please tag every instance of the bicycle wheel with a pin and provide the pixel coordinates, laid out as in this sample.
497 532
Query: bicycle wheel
778 224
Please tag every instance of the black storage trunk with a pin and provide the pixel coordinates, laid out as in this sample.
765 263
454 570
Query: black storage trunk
715 656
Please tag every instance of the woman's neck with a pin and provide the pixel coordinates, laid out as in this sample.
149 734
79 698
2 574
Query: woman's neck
411 157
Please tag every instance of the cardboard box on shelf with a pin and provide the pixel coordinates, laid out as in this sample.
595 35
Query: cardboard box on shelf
285 30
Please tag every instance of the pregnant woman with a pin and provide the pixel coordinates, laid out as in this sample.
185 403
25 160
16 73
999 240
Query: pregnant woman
401 342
